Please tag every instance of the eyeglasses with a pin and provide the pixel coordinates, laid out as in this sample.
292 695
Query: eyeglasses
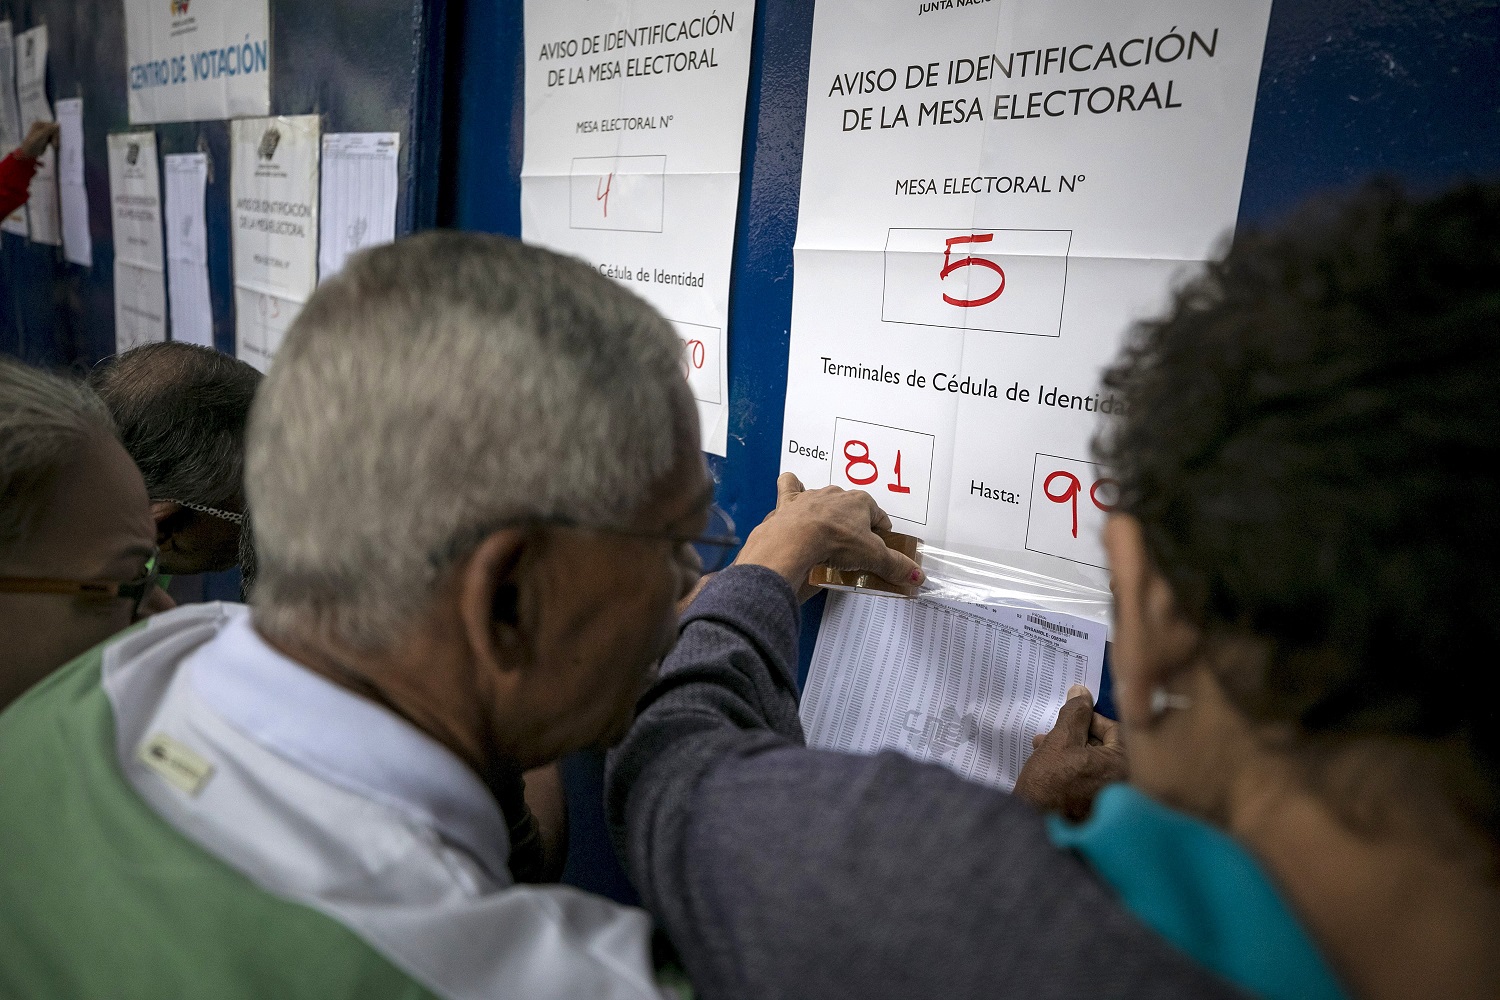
134 591
714 546
225 515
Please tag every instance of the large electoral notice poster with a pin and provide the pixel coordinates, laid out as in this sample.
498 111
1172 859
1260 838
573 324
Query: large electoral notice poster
991 194
273 193
188 60
135 214
635 113
31 92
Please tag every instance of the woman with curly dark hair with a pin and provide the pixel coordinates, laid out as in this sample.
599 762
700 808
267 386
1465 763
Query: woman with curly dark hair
1307 584
1307 574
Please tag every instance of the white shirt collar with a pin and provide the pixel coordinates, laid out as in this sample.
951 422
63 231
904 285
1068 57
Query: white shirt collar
347 740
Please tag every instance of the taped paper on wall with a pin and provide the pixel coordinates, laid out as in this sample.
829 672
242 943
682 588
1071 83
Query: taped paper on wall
959 684
78 243
187 248
140 306
42 210
135 199
635 114
135 215
210 60
991 195
10 119
261 322
359 195
274 201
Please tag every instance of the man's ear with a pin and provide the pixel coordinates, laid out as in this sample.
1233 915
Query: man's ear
489 601
171 518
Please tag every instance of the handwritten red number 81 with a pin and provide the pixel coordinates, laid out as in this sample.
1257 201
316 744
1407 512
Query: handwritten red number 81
863 459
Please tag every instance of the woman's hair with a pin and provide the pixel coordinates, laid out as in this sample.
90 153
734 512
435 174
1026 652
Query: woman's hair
1311 444
44 421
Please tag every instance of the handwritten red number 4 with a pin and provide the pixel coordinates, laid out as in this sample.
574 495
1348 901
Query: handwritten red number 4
950 265
603 194
863 459
1072 488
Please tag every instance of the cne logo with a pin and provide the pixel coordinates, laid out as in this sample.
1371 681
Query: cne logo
269 142
179 7
133 153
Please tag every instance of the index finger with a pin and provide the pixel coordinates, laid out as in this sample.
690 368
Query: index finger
1105 730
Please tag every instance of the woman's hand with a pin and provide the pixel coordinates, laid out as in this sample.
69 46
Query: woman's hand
830 527
42 135
1070 764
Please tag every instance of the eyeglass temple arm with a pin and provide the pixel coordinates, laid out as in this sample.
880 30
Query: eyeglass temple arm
41 585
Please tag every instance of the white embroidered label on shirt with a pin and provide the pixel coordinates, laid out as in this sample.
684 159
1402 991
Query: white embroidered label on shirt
176 762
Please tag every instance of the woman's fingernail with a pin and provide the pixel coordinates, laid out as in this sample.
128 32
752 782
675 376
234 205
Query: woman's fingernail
916 576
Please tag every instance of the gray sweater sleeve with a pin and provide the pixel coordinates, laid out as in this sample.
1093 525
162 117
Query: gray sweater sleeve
780 871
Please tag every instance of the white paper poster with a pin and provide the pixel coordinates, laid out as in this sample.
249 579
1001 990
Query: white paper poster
635 113
78 244
962 685
31 95
261 321
10 116
140 306
135 199
135 218
10 119
358 197
991 194
274 203
189 60
187 248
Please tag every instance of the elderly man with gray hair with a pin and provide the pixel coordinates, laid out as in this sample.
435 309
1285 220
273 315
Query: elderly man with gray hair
477 499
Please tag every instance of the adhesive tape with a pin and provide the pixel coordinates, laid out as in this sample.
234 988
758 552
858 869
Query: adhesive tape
862 582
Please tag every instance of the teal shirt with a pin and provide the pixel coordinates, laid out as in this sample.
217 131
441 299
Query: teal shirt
1199 889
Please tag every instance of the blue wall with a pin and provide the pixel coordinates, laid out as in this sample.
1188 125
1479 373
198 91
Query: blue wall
365 65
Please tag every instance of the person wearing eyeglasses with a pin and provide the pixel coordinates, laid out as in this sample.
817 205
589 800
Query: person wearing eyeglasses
77 550
477 497
181 410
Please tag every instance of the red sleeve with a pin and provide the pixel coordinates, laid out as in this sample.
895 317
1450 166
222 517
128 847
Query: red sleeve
15 181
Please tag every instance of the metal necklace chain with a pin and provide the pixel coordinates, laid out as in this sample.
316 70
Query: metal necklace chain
211 511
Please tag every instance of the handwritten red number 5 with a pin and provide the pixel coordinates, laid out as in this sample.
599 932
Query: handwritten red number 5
950 265
1072 489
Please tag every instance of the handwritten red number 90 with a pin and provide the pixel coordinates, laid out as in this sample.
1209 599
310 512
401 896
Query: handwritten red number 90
1072 488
